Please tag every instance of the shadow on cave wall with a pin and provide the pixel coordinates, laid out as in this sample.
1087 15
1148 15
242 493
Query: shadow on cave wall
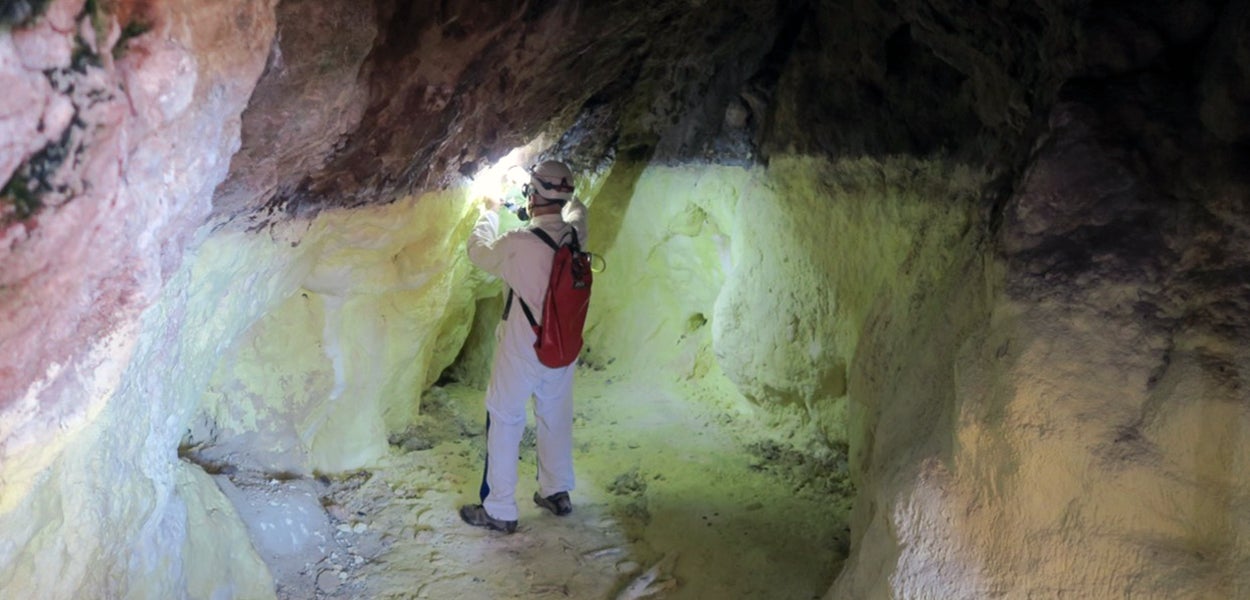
612 202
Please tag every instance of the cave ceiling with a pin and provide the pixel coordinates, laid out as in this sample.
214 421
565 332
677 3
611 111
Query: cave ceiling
361 102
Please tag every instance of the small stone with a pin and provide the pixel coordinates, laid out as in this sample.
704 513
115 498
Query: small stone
327 582
338 512
360 528
736 114
627 566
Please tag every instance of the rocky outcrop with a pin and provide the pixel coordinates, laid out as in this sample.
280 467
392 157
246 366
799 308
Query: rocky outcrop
117 125
119 144
415 98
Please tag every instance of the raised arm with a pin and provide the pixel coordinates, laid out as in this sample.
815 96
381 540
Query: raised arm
483 244
574 213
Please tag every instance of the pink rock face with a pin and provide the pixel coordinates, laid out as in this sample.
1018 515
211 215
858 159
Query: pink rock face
122 150
42 47
52 274
24 126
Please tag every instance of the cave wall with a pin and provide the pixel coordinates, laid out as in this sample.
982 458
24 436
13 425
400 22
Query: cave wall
1076 435
363 310
1092 407
765 276
113 144
283 353
141 138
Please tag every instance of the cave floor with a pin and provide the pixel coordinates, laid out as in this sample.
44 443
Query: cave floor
677 497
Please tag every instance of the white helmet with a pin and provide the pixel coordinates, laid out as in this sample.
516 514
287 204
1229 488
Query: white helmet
552 180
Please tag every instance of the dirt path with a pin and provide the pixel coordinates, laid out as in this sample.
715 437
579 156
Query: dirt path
663 482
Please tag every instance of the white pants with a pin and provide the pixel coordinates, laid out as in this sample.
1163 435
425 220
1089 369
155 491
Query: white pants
515 376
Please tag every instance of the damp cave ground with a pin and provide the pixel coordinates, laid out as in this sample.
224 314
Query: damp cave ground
672 482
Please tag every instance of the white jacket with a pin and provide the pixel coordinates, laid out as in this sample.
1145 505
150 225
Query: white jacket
524 263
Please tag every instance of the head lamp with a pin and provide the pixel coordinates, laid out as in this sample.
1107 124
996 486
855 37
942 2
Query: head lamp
528 189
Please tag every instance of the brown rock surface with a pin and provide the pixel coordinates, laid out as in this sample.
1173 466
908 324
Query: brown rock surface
400 97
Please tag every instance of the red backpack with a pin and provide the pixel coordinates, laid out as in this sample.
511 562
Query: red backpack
564 306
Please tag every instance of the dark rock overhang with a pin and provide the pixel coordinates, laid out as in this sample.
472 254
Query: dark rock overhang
362 103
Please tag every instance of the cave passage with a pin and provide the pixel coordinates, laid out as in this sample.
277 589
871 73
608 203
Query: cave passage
686 487
982 266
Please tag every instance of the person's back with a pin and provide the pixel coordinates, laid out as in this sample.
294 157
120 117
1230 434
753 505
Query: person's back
523 261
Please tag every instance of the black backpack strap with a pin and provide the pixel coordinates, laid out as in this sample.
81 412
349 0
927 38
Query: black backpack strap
542 235
507 308
529 316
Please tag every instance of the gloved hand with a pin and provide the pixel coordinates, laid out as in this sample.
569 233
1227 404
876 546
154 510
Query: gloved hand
487 204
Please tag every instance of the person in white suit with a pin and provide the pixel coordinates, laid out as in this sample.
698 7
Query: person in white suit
523 261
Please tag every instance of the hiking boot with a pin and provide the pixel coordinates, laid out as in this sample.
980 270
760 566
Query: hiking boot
476 515
558 503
